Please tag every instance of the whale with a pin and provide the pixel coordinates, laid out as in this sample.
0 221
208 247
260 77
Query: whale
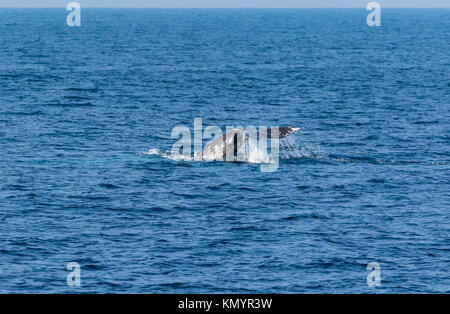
225 147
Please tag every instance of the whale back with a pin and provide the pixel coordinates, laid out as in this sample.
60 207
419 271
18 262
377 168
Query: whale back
224 147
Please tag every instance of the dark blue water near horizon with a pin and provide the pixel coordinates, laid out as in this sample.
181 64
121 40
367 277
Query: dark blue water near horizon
369 180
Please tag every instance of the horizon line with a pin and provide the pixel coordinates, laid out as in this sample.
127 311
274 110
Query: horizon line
247 7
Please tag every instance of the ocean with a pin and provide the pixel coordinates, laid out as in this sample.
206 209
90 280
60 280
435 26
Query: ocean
365 180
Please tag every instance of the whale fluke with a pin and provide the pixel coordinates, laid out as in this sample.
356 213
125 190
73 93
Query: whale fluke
283 131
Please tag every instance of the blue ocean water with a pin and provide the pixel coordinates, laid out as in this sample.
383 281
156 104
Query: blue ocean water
368 180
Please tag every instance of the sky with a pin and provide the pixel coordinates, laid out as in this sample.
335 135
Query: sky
227 3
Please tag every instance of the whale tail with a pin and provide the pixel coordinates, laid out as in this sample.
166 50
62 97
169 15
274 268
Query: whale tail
283 131
230 143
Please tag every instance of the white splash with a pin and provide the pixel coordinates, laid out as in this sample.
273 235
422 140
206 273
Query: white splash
254 155
167 155
152 151
293 148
